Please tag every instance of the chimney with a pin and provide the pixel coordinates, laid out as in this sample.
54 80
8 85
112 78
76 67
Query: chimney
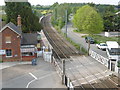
19 22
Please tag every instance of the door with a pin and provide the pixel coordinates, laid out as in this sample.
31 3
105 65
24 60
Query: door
113 61
109 64
112 66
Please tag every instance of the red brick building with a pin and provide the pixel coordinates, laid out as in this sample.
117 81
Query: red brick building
11 38
18 46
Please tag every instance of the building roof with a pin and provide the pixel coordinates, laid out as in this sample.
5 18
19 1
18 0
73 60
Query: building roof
29 39
12 27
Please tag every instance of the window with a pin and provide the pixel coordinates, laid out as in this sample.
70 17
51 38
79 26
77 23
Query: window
8 53
114 51
27 54
8 39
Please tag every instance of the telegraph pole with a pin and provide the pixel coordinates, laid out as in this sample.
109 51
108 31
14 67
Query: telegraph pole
55 14
66 22
63 70
88 46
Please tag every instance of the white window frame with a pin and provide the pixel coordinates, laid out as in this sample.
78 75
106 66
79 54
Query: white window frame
11 53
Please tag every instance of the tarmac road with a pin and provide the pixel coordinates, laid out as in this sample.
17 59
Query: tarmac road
76 37
43 75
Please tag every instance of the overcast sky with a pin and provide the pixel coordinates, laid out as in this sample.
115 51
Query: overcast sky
50 2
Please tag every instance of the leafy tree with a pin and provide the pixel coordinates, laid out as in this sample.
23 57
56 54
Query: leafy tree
59 14
108 21
91 4
87 19
54 5
117 23
74 9
30 22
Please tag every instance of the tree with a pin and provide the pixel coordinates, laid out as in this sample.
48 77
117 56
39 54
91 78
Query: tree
87 19
110 19
74 9
54 5
30 22
59 14
91 4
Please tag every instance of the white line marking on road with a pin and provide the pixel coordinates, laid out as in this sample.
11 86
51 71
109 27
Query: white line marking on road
30 83
33 76
47 75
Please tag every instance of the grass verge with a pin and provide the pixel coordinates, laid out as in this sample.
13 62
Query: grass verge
99 38
77 46
103 39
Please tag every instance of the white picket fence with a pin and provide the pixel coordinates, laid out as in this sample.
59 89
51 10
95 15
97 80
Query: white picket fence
99 58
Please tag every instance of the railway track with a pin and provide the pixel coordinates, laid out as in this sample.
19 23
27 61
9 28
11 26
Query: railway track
59 44
63 50
98 84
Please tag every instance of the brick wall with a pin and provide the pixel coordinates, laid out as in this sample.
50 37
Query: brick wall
0 45
28 58
14 45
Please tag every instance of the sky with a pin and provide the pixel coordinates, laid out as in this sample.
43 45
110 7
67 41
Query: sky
50 2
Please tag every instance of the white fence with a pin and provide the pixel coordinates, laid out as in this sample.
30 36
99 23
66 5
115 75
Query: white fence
47 56
59 71
99 58
39 53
